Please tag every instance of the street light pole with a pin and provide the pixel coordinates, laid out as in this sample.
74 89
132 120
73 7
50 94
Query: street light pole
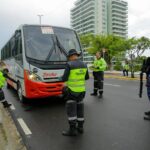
40 18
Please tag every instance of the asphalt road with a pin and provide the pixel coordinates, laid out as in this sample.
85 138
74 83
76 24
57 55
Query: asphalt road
112 123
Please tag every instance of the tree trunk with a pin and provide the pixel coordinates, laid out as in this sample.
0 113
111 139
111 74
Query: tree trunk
132 69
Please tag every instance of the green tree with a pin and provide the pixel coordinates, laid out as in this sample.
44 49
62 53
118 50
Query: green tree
142 45
109 46
135 48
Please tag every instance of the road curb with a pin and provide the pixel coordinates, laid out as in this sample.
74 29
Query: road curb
9 135
113 76
121 78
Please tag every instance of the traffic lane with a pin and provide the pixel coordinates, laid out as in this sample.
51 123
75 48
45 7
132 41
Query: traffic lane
121 114
127 83
45 120
112 123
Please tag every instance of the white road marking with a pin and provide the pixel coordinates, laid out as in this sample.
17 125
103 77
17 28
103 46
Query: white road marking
12 107
116 85
24 126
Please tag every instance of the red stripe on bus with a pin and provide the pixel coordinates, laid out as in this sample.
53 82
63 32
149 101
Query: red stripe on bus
41 89
11 83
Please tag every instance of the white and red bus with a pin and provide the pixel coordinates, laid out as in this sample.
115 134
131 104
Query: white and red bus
35 57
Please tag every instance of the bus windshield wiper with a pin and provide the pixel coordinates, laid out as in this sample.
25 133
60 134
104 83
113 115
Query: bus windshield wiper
62 49
35 60
50 52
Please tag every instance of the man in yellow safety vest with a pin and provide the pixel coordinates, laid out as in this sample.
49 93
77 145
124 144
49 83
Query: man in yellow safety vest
76 73
98 68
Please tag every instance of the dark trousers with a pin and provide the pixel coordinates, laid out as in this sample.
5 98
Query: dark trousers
148 86
125 72
98 82
74 106
2 96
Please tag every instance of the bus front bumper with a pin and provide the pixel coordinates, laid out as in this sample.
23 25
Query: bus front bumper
43 90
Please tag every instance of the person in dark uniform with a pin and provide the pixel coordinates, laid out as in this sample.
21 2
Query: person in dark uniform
147 70
98 68
76 73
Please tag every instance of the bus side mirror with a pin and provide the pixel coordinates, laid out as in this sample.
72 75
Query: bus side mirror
17 32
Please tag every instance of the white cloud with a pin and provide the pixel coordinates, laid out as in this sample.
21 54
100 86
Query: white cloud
16 12
139 18
57 12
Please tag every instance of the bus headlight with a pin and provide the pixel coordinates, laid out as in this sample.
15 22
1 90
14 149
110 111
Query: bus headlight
34 77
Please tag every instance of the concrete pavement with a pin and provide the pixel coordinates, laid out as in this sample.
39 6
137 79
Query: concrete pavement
112 123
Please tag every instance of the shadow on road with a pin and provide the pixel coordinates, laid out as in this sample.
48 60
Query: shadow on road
40 103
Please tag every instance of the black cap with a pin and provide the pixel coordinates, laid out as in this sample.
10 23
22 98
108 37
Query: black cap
72 52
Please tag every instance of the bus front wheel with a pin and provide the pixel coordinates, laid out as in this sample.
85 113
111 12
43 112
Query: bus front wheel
20 95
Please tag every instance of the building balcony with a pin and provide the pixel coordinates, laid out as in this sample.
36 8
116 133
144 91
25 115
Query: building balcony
120 19
115 31
120 35
119 10
120 2
82 11
82 15
81 5
119 23
80 20
115 14
120 27
85 25
120 7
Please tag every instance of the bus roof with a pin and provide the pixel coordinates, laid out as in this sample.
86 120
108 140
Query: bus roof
43 26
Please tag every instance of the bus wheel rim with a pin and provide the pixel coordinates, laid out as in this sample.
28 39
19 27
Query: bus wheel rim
20 93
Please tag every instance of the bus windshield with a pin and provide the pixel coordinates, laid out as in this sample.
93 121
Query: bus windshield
47 43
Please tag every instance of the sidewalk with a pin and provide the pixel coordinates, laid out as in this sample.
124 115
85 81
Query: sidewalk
119 75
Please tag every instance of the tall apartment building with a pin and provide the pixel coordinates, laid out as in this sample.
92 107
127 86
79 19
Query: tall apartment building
100 17
117 17
89 16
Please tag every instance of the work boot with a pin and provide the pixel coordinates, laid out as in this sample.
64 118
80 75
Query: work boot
100 96
93 94
147 113
71 132
6 104
80 127
147 118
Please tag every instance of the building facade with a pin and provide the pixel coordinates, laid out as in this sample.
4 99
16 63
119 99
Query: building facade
118 17
100 17
89 16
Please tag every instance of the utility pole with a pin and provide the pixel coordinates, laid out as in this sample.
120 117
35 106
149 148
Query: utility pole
40 18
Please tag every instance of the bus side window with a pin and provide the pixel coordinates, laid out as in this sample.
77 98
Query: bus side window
18 49
13 46
7 50
2 54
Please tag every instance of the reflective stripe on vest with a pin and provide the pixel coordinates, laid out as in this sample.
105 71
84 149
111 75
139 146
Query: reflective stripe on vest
76 80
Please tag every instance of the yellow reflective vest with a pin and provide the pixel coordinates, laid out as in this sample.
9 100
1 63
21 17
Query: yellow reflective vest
2 80
76 80
126 67
99 65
